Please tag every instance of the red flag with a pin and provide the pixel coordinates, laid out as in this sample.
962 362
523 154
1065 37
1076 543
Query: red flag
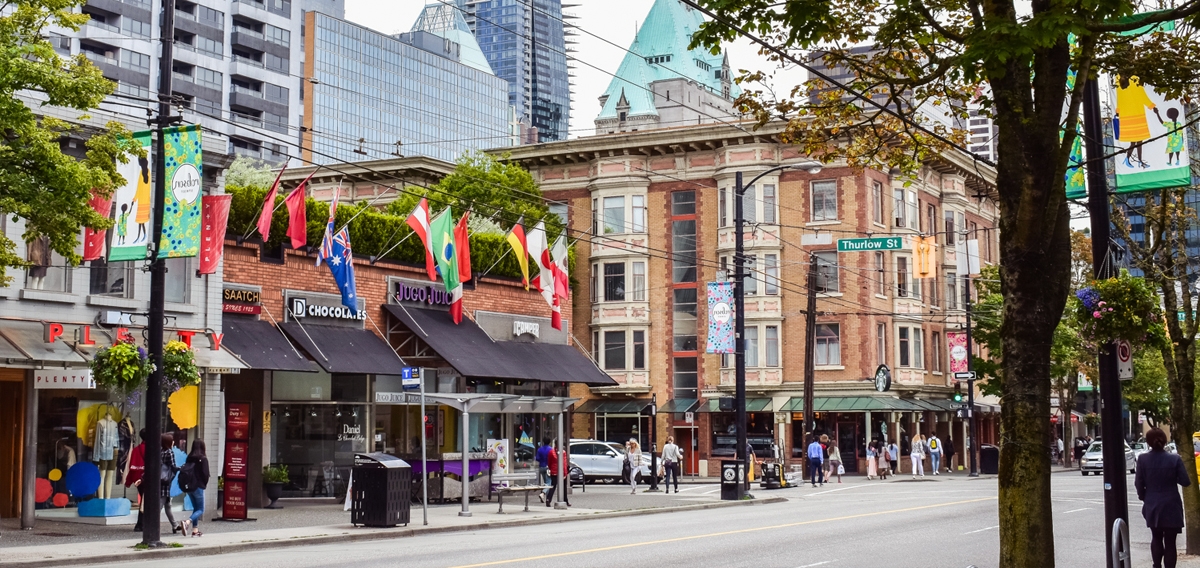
268 207
462 240
93 241
212 235
419 221
297 222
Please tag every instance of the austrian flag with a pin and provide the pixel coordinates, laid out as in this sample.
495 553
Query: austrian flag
419 221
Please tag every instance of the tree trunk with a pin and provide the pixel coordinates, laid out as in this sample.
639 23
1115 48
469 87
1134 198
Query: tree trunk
1179 358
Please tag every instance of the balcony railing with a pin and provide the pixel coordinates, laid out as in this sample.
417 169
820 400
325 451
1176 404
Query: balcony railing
248 31
97 58
246 61
245 91
182 77
104 26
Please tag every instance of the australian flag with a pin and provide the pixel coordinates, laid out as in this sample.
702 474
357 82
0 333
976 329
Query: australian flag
335 251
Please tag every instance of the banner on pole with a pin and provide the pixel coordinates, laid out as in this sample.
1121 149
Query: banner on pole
720 318
956 346
181 204
216 219
132 206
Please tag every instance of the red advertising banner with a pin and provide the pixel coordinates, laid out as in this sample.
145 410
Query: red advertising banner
956 346
93 241
237 459
234 506
212 236
237 422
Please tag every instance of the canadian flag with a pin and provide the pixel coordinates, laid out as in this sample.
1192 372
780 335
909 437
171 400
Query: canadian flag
419 221
544 281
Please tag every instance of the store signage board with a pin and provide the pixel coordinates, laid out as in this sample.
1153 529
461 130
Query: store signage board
871 244
63 379
241 309
322 309
391 398
410 378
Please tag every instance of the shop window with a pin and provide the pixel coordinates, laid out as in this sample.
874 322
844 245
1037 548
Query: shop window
829 347
772 345
639 281
614 215
110 278
639 349
751 346
828 280
824 201
614 350
614 282
685 377
48 270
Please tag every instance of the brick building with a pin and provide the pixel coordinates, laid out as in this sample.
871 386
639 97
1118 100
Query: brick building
654 212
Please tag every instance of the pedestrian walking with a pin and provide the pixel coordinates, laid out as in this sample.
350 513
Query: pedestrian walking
816 461
935 453
872 461
543 461
917 456
948 452
885 461
554 466
672 458
167 473
835 462
137 469
633 457
893 452
1158 473
1061 456
196 468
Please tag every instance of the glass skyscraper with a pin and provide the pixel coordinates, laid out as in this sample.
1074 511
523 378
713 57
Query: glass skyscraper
421 93
525 43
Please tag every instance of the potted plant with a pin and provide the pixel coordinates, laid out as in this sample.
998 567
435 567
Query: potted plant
274 476
1122 308
122 369
179 367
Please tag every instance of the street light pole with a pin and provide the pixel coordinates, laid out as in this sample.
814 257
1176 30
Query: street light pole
653 443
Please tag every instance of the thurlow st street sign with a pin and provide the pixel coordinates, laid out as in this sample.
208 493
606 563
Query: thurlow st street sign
875 243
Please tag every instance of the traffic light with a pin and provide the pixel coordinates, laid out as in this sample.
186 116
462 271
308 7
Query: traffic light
958 395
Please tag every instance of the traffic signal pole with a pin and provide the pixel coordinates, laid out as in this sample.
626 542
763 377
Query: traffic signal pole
971 446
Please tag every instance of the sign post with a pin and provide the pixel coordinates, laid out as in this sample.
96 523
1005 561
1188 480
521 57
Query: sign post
413 378
1124 360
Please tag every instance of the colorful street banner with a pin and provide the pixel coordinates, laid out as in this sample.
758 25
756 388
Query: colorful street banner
720 318
1076 178
181 204
132 205
216 220
956 346
1149 132
93 240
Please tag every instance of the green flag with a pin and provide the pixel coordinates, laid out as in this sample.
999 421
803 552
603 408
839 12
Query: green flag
441 237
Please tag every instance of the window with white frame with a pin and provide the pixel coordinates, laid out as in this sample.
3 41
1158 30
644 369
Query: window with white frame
772 340
914 210
768 204
178 280
751 272
918 352
614 350
905 346
750 205
755 208
828 281
639 349
751 343
766 351
614 215
898 208
881 343
933 291
614 282
951 291
950 234
877 202
880 273
722 202
595 284
824 201
902 276
936 350
771 270
638 291
639 213
596 349
829 346
911 353
930 220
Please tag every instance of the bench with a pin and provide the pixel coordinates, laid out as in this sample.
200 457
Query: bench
517 483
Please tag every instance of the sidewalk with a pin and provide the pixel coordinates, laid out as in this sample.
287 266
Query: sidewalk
304 523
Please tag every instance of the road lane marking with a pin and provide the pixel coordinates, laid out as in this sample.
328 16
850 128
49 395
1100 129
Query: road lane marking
723 533
836 490
983 529
817 564
711 491
690 488
1074 511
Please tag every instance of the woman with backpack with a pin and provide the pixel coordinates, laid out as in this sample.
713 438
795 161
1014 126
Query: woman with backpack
167 472
193 478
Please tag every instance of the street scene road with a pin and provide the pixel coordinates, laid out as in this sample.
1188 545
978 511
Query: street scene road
947 522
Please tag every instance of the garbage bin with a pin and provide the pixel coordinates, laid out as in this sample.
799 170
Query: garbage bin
380 490
989 459
732 476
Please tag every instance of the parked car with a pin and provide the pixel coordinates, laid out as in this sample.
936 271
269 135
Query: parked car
602 461
1093 459
1139 448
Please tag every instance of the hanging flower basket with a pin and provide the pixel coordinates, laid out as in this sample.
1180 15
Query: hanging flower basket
122 369
179 367
1122 308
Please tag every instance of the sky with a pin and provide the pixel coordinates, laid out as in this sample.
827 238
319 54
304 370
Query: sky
613 20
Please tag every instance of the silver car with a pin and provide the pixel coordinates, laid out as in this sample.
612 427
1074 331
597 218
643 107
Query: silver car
1093 459
603 460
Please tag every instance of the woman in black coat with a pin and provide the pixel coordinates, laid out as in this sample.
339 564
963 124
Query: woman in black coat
1158 474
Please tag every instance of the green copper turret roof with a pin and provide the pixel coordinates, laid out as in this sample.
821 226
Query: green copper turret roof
660 52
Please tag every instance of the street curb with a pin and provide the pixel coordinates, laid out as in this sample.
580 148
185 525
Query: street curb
187 552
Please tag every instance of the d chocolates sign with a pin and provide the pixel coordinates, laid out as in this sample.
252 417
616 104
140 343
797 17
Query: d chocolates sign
322 309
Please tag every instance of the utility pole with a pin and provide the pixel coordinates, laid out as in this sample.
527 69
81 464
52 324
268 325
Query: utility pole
810 365
158 272
971 445
1116 504
653 443
739 319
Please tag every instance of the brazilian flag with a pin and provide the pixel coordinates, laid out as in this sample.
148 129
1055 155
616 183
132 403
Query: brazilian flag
445 251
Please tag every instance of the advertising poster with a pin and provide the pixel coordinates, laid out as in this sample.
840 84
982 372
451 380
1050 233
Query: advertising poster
237 460
132 205
181 204
720 318
1149 133
956 346
500 448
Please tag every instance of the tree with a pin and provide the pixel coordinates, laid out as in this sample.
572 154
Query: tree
40 184
248 172
1015 59
1160 251
1148 393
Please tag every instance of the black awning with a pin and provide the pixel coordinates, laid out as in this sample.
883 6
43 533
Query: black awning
345 349
473 353
624 406
262 346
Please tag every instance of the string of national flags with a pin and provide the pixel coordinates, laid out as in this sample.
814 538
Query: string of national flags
447 250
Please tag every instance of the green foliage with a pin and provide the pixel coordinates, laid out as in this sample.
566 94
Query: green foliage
121 369
38 182
245 171
1148 391
1119 308
275 474
179 366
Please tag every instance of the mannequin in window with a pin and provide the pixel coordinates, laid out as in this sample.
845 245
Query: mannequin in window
105 453
39 260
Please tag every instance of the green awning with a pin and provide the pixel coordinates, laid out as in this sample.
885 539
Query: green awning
853 404
752 405
601 406
680 405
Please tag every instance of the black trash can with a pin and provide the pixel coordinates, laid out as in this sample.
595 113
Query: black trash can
380 490
989 459
732 480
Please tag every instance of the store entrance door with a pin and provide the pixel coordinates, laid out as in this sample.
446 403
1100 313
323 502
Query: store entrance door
685 438
12 424
848 445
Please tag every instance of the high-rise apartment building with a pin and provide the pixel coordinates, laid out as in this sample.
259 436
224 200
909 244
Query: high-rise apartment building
525 41
429 92
239 60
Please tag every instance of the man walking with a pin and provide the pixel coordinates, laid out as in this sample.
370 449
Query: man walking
894 457
816 462
543 461
935 452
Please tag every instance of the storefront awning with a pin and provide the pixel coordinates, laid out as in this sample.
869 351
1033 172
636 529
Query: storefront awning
474 354
752 405
853 404
26 345
600 406
501 403
345 349
263 346
680 405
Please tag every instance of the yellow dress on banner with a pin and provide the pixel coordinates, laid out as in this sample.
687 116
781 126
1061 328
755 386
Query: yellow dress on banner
182 404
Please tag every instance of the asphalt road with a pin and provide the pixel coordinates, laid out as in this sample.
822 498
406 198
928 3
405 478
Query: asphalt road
938 522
